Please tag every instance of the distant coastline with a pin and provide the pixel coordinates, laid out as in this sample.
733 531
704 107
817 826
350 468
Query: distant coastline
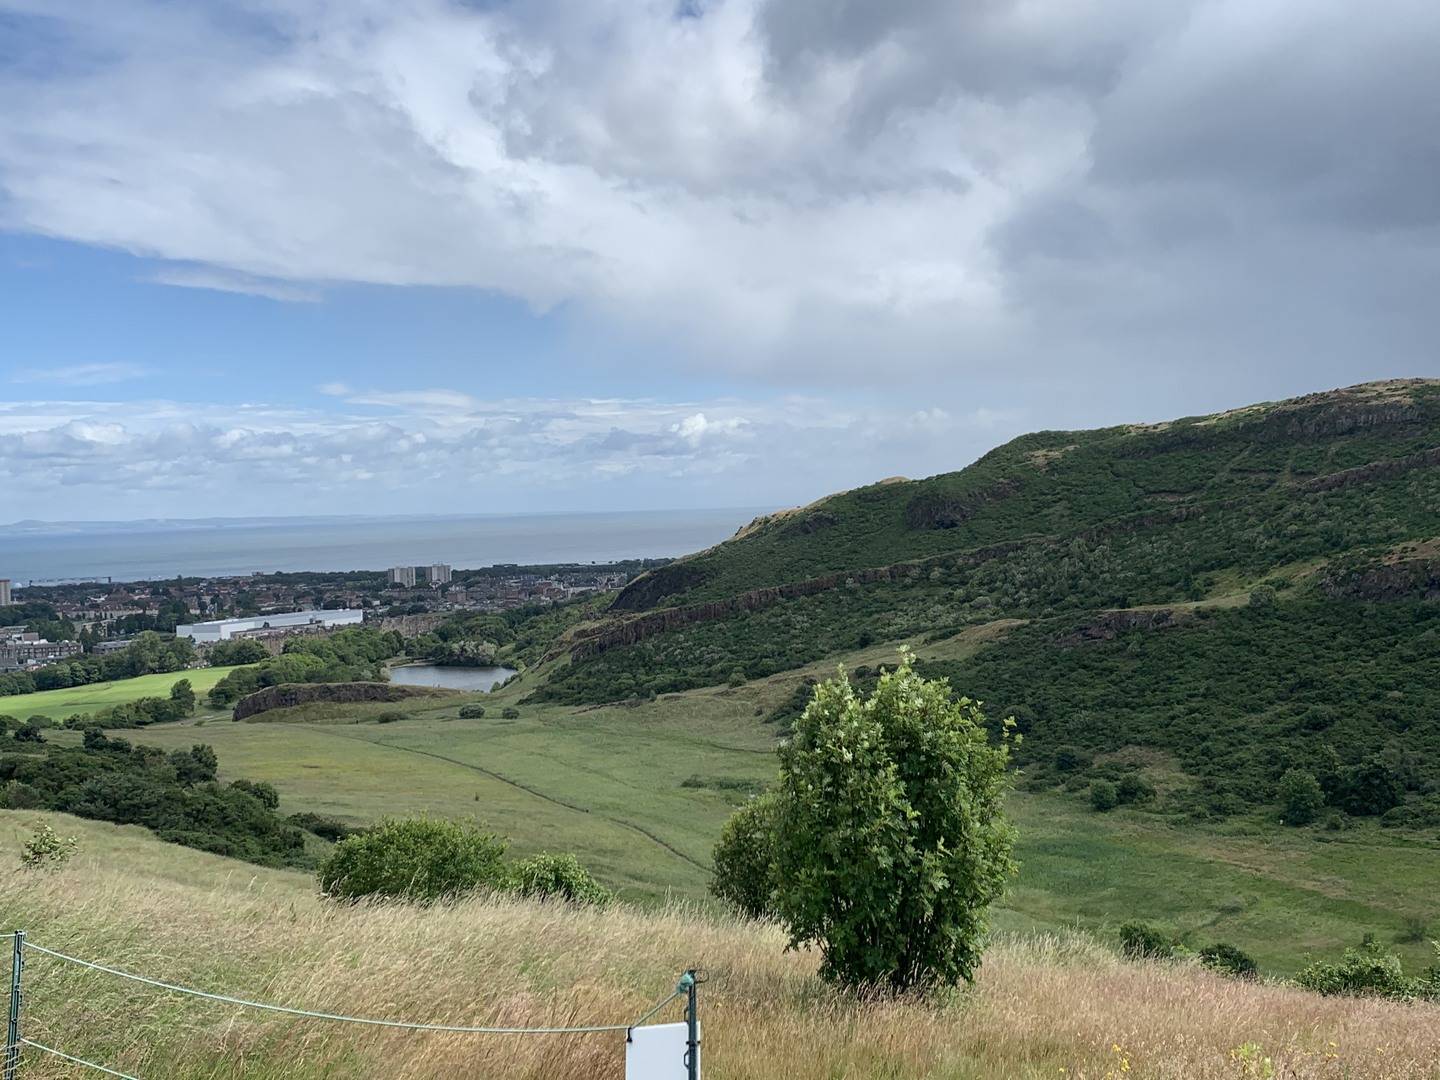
34 550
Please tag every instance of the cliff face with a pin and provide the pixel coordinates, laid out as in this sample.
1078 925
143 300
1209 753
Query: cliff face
1412 576
1108 625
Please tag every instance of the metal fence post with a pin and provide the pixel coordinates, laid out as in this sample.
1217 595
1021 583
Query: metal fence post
12 1038
692 1021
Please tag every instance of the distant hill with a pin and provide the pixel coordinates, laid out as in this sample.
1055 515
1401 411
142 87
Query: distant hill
1257 577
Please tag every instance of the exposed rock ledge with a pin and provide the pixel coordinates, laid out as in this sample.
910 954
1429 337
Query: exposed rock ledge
288 694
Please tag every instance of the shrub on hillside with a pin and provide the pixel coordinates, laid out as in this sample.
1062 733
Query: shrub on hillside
1368 971
1228 960
510 713
1301 798
390 716
1134 788
419 859
1145 941
47 850
557 877
1103 795
259 789
472 712
890 838
744 859
327 828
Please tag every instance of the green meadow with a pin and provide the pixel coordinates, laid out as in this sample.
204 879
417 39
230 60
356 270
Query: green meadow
58 704
640 793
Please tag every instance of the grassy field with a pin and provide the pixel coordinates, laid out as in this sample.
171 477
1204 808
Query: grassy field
1044 1005
640 793
58 704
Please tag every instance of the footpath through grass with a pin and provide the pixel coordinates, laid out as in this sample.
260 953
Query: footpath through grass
58 704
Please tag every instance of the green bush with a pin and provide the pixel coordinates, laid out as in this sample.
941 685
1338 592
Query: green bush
557 877
472 712
417 859
510 713
1368 971
1103 795
390 716
744 859
1301 798
890 837
327 828
1144 941
1134 788
47 850
1228 960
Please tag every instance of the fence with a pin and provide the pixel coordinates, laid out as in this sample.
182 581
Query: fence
16 1042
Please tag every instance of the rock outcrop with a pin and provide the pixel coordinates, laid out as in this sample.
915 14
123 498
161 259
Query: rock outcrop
290 694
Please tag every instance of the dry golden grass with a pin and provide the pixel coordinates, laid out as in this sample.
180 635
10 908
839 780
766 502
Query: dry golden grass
1044 1006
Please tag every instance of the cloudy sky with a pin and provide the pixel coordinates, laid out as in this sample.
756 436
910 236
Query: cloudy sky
269 256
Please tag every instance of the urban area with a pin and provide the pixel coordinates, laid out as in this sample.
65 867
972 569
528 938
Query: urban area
50 622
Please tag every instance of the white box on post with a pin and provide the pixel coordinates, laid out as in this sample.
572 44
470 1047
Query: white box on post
657 1052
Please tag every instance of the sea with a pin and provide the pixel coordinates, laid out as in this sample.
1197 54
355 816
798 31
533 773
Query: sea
43 552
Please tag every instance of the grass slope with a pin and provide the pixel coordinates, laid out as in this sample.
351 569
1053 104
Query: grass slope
640 793
58 704
1043 1006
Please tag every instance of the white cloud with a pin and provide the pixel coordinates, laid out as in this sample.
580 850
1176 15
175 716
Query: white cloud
401 451
1152 194
223 281
82 374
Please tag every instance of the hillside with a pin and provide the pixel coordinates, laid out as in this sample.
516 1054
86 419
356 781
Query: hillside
1044 1005
1231 595
639 790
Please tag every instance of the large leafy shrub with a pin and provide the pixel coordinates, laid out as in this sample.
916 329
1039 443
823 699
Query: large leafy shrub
1301 798
419 859
557 877
744 859
1366 971
1103 795
890 838
1144 941
1228 960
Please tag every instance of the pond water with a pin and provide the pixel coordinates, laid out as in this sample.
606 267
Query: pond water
452 678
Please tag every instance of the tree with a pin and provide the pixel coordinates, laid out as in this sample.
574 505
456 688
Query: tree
744 859
183 695
890 838
1370 787
420 859
1300 797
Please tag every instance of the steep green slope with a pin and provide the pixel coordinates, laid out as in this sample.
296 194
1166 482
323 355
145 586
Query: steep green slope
1284 458
1315 517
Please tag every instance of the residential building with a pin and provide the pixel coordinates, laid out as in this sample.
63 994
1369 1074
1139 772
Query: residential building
35 653
6 600
278 624
439 574
403 575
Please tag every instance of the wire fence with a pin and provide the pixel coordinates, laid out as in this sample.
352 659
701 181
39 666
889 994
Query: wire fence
15 1041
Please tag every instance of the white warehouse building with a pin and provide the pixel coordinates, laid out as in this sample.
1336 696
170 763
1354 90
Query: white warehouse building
206 633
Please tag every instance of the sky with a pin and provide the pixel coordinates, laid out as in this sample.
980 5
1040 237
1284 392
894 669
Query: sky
421 256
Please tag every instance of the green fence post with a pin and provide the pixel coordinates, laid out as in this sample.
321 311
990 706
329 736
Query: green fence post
692 1021
12 1038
